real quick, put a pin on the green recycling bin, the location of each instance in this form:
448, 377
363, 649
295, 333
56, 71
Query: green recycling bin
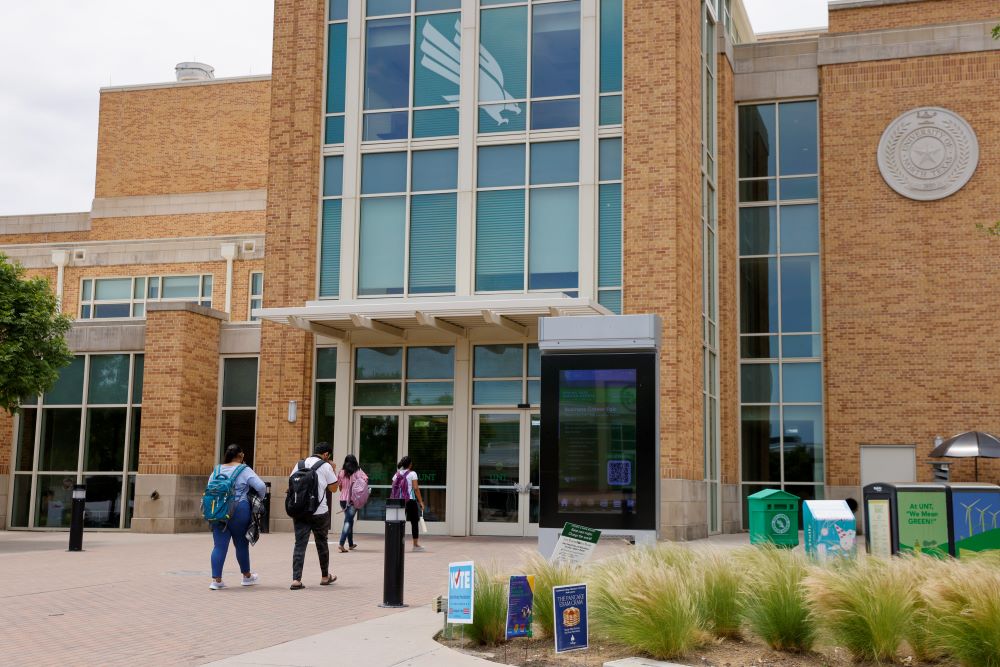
774, 518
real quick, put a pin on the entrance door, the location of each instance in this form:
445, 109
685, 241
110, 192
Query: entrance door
505, 473
381, 440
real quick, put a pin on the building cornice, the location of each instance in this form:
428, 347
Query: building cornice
255, 78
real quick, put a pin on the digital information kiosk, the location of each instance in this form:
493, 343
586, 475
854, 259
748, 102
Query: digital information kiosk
600, 453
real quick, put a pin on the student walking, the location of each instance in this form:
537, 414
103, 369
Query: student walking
309, 485
346, 479
406, 486
243, 481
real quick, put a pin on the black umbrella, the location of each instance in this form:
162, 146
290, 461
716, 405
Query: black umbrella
970, 443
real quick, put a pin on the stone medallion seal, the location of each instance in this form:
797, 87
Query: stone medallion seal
928, 153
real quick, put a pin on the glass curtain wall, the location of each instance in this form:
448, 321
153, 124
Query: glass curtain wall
127, 297
238, 407
85, 429
336, 72
710, 270
781, 376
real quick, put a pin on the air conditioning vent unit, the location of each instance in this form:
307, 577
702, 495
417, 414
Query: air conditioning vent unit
79, 255
249, 248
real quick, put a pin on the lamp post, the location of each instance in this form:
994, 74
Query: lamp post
76, 522
395, 530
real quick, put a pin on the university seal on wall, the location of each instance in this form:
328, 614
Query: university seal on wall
928, 153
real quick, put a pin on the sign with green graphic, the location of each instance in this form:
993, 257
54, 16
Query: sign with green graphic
923, 522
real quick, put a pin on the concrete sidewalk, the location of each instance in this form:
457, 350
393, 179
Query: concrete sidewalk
403, 639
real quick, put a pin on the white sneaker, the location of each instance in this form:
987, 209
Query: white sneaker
250, 581
419, 549
217, 585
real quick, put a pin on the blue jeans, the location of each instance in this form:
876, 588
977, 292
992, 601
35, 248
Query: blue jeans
235, 530
347, 533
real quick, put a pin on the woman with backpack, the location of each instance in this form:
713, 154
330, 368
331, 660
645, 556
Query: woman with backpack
353, 483
405, 486
242, 480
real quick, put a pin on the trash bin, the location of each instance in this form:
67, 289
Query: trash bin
774, 517
881, 537
974, 510
830, 529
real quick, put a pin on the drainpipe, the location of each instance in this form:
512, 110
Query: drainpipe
60, 258
229, 254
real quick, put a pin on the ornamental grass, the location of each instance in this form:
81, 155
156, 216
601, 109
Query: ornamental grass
776, 608
965, 612
489, 616
722, 597
866, 606
547, 576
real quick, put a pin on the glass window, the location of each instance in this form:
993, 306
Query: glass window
757, 141
338, 10
611, 47
553, 259
329, 276
555, 49
382, 246
239, 382
435, 170
555, 162
800, 304
802, 383
803, 443
430, 363
799, 142
139, 372
799, 188
333, 176
108, 379
552, 114
503, 68
759, 347
381, 7
383, 172
181, 287
611, 159
430, 393
437, 60
801, 346
387, 64
105, 440
256, 293
759, 295
432, 243
501, 166
60, 439
25, 457
611, 299
326, 363
379, 363
498, 361
761, 433
325, 410
110, 289
610, 110
759, 383
68, 389
758, 230
336, 80
609, 270
500, 240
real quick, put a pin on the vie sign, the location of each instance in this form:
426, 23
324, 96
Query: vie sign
461, 592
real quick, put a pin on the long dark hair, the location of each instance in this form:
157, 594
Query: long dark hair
232, 451
350, 465
404, 463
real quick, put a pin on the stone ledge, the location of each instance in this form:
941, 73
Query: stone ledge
231, 201
843, 48
184, 306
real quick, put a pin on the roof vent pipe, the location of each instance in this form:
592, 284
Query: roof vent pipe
194, 72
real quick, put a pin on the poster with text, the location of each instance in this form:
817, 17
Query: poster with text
569, 609
879, 528
461, 592
575, 545
923, 522
520, 605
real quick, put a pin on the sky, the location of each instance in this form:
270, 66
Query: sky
57, 54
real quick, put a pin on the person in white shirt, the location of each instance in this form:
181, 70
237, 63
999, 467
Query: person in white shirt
414, 500
319, 523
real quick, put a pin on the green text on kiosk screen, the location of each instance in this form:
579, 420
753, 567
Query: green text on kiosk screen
597, 449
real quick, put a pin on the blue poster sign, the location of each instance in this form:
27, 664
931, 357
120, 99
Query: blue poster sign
461, 592
569, 606
520, 605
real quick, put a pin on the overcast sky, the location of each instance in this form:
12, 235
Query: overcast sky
56, 54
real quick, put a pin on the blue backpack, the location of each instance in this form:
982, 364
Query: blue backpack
217, 503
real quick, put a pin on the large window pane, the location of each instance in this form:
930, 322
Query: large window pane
21, 502
555, 162
500, 241
435, 170
803, 443
25, 458
385, 126
759, 295
60, 441
383, 233
136, 426
378, 452
759, 383
336, 73
435, 123
105, 440
54, 500
501, 166
113, 289
799, 142
338, 10
437, 60
552, 114
761, 444
758, 230
497, 392
609, 267
104, 501
611, 46
555, 49
379, 363
378, 393
108, 379
427, 445
326, 410
383, 172
800, 309
802, 383
498, 361
430, 393
430, 363
503, 63
326, 363
238, 428
333, 176
758, 145
139, 373
800, 228
610, 160
382, 7
68, 389
329, 253
239, 383
387, 64
553, 257
181, 287
432, 243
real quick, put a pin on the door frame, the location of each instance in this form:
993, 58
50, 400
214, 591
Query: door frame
522, 527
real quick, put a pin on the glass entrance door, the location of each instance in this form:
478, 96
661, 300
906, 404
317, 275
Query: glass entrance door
505, 471
381, 439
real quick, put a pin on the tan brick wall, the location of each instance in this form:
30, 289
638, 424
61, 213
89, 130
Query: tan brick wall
200, 138
6, 441
179, 394
662, 216
909, 14
728, 278
241, 288
910, 288
292, 218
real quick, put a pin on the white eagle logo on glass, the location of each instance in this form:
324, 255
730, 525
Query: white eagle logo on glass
443, 57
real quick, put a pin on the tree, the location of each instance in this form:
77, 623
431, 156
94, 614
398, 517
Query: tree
32, 336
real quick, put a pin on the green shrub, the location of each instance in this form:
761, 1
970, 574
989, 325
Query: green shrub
648, 601
546, 577
722, 597
920, 570
489, 616
866, 605
775, 608
965, 613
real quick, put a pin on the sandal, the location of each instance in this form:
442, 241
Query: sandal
295, 587
342, 549
329, 580
353, 547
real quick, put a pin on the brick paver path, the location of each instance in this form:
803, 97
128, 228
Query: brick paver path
132, 599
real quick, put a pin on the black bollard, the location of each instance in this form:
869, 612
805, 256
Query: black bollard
395, 531
265, 525
76, 522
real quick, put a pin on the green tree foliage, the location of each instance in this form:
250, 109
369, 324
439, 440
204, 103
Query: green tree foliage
32, 330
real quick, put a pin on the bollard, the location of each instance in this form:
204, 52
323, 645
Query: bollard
395, 530
76, 522
265, 525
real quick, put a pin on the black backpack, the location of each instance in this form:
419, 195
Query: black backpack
303, 496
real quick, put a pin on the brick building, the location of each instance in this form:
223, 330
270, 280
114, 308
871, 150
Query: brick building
359, 247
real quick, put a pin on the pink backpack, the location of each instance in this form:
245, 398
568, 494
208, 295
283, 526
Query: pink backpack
359, 490
399, 489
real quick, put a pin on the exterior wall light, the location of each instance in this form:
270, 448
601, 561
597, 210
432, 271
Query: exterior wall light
293, 411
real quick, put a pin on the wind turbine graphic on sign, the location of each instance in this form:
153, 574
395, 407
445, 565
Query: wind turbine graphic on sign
968, 514
982, 517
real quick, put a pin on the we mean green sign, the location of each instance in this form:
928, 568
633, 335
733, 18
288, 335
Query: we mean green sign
923, 522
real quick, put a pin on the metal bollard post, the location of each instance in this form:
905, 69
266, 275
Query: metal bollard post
395, 530
265, 526
76, 522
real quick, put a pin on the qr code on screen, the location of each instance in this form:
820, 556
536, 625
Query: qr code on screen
619, 473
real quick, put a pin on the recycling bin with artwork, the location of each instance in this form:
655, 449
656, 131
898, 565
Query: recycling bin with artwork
829, 529
974, 510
